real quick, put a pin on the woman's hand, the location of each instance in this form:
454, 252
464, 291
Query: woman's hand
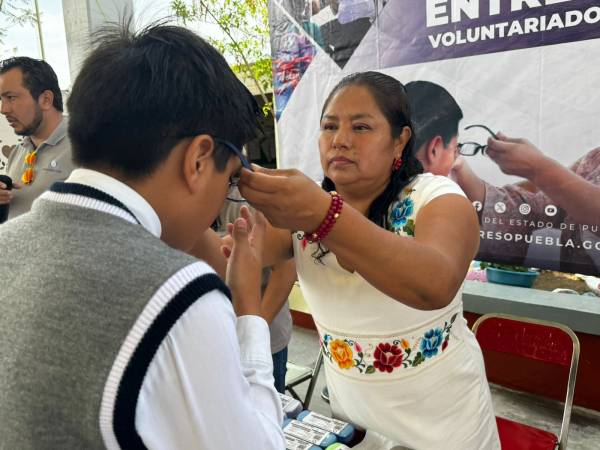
244, 266
288, 198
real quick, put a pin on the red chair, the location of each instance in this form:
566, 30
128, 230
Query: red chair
549, 342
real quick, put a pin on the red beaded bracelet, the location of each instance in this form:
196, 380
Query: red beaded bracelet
335, 208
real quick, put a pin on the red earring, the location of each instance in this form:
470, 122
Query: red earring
396, 165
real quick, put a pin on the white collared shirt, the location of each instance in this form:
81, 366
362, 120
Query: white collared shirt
126, 195
210, 384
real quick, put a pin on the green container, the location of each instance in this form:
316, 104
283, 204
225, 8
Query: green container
501, 276
337, 446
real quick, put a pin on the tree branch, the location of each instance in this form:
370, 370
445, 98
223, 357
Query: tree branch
239, 50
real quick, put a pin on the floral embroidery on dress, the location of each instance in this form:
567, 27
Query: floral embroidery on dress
431, 342
401, 211
386, 357
342, 353
409, 228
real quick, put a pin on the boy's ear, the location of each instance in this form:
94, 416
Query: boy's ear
433, 148
198, 160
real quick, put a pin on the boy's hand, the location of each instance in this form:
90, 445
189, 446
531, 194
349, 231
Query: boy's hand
244, 267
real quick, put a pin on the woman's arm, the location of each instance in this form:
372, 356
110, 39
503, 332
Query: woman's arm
424, 272
283, 276
569, 191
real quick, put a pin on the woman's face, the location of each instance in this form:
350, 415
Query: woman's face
355, 143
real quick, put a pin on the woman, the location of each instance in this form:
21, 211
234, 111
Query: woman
382, 277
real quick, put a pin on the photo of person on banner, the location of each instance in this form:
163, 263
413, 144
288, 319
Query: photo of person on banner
554, 198
344, 32
381, 257
435, 116
336, 26
292, 50
549, 221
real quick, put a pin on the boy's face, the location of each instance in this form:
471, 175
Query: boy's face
194, 205
226, 183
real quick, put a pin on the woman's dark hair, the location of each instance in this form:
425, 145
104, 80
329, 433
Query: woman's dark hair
138, 94
391, 98
38, 77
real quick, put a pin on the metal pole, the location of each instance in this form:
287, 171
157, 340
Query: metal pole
38, 22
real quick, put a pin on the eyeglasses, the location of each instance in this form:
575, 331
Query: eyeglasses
245, 163
472, 148
30, 157
234, 194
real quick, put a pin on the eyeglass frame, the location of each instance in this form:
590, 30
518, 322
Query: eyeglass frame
245, 164
479, 147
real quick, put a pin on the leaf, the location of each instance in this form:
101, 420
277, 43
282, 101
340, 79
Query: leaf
510, 267
409, 228
370, 370
245, 37
418, 359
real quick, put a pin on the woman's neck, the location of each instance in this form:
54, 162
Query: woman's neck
360, 204
360, 199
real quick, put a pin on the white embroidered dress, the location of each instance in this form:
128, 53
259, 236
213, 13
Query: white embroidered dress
415, 376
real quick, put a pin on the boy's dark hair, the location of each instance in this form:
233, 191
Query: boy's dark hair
38, 77
434, 112
138, 94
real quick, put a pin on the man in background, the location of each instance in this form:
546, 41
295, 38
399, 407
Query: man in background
32, 103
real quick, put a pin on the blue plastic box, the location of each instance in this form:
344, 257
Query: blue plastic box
501, 276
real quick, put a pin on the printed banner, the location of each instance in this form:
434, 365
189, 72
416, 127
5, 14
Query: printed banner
433, 30
527, 68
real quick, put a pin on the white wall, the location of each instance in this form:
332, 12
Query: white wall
82, 18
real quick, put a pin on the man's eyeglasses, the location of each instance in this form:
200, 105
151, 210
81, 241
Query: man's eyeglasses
234, 194
472, 148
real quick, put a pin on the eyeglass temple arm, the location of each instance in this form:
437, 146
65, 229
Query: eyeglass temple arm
245, 163
484, 127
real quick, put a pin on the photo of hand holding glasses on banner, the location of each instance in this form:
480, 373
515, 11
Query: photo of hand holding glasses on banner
566, 199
